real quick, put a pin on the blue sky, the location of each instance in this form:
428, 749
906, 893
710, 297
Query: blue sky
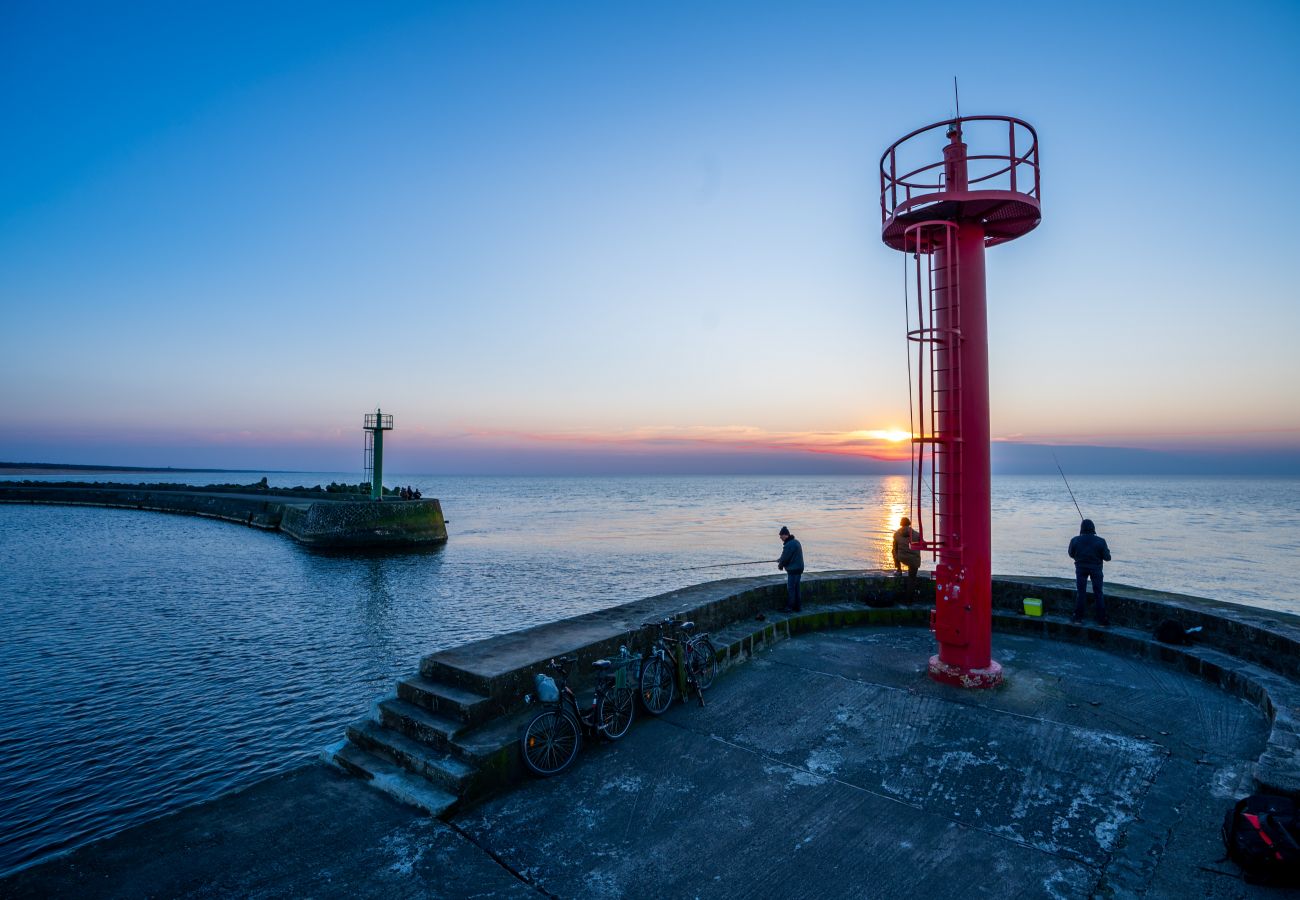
618, 233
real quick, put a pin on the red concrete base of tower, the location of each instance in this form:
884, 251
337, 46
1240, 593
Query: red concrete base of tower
960, 676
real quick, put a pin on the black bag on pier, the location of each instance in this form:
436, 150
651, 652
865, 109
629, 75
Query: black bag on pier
1261, 834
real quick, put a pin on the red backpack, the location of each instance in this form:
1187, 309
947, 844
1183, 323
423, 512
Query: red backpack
1262, 834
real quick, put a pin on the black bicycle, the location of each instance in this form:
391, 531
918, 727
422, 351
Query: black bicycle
551, 740
698, 660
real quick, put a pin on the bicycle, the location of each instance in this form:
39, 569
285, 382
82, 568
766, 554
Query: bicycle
552, 738
698, 660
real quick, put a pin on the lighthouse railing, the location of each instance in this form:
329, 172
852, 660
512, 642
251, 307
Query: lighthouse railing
1004, 169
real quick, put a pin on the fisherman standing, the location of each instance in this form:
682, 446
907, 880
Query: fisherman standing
904, 555
791, 562
1089, 551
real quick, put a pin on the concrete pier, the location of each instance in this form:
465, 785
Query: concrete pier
825, 764
448, 733
309, 517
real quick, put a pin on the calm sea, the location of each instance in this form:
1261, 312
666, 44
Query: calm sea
152, 661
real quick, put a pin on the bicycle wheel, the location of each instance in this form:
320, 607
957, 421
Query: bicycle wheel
704, 660
615, 711
657, 685
551, 741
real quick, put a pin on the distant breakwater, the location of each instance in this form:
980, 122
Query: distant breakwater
320, 518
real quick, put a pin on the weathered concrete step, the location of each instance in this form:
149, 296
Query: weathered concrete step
443, 770
390, 778
445, 699
417, 723
494, 749
490, 739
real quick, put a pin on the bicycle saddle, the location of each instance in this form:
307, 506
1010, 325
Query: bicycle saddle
687, 626
601, 664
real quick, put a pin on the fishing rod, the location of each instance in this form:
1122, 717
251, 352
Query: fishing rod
755, 562
1067, 483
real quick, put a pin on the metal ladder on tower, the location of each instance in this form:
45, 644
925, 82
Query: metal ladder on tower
369, 457
937, 399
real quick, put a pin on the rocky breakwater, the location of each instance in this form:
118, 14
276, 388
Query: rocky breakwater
320, 518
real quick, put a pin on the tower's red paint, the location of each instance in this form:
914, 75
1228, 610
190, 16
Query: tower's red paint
942, 213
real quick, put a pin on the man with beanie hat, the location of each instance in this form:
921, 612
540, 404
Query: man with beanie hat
1089, 551
791, 562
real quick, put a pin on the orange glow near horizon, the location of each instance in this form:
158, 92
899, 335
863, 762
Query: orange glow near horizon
883, 444
893, 435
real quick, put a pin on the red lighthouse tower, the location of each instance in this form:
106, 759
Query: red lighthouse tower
942, 204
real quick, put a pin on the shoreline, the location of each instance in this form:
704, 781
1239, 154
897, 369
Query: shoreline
30, 468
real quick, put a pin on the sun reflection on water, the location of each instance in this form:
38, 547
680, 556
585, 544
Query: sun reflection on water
896, 499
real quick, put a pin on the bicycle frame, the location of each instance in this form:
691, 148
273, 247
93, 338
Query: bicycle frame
568, 700
672, 650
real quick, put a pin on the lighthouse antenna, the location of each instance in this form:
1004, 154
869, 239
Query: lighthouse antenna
955, 98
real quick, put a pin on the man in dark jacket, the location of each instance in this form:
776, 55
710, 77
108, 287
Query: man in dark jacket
1088, 551
792, 562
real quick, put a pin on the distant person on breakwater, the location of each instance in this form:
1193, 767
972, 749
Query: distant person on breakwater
791, 562
904, 555
1089, 551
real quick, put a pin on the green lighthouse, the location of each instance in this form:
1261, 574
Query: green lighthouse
375, 426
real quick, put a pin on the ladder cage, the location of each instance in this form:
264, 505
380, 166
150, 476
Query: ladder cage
934, 387
369, 456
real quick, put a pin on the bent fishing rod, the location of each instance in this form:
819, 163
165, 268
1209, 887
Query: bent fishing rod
1067, 484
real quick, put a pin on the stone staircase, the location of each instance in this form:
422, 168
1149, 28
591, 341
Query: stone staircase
430, 744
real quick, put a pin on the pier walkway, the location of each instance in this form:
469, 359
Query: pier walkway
313, 518
824, 765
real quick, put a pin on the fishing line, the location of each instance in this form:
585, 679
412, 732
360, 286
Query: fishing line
753, 562
1067, 483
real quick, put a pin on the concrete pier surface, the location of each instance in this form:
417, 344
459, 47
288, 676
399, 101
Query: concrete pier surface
824, 765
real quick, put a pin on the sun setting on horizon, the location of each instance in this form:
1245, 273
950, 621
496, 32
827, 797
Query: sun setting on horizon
893, 435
